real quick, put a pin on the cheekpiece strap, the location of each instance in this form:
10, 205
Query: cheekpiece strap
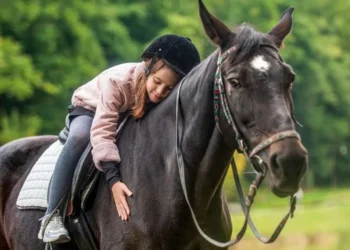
219, 93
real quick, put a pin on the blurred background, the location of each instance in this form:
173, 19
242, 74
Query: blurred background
49, 48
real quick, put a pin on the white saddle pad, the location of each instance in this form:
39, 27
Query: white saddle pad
33, 194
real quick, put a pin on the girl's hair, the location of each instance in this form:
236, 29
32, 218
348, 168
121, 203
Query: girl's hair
140, 100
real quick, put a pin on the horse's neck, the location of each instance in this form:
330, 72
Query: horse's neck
205, 153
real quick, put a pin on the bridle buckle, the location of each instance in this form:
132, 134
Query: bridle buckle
241, 145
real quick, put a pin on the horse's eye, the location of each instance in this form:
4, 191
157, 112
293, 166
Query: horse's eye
292, 78
235, 83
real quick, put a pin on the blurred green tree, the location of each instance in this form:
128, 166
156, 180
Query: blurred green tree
48, 48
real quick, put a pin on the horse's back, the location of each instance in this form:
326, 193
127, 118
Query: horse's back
19, 155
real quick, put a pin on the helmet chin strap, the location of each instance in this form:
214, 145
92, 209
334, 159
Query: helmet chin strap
149, 68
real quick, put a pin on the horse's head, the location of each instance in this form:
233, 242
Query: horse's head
258, 85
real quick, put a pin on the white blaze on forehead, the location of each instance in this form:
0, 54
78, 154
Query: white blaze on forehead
259, 63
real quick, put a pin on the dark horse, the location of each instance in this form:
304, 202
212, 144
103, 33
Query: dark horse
258, 87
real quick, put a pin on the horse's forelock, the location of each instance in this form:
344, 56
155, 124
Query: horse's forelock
247, 41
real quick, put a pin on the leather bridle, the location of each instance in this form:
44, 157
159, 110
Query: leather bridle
220, 100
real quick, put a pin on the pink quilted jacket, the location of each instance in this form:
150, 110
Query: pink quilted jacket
108, 94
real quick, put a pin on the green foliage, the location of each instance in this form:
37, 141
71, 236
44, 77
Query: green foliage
321, 103
49, 48
18, 76
17, 126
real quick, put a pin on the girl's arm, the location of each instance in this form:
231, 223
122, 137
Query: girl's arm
114, 98
119, 189
111, 172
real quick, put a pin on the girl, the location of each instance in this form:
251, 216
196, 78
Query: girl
97, 105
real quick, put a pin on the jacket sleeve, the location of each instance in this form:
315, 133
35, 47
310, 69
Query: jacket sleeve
113, 99
111, 172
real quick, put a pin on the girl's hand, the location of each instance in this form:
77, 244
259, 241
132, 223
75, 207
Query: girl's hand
120, 190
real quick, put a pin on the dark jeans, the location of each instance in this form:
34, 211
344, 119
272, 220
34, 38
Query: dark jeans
61, 182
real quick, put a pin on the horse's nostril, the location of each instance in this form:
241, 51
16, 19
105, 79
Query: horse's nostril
276, 169
293, 164
274, 161
301, 170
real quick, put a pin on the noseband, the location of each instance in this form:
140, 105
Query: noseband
221, 100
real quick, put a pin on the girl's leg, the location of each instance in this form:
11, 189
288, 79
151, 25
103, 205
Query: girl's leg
78, 139
60, 185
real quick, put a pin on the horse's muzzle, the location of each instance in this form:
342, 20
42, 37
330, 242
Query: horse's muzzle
288, 160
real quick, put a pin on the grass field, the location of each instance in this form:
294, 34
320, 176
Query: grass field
321, 222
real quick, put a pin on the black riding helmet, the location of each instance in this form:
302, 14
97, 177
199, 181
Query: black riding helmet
177, 51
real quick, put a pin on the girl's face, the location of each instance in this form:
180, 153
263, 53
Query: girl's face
160, 84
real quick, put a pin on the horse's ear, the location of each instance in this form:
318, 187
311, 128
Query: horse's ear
218, 32
282, 29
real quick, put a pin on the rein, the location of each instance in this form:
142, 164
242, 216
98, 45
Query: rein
246, 203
